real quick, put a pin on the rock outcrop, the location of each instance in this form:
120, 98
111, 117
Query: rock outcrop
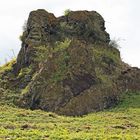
67, 65
44, 28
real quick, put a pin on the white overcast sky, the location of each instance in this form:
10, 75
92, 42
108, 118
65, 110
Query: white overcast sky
122, 21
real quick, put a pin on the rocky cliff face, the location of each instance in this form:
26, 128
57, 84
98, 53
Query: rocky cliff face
44, 28
67, 65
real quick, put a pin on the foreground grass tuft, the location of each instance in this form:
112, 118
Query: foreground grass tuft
120, 123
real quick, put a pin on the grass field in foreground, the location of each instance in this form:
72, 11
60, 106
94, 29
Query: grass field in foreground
120, 123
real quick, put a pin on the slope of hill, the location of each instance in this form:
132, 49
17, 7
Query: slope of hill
119, 123
69, 66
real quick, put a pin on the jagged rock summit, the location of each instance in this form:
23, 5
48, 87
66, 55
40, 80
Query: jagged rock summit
44, 28
68, 65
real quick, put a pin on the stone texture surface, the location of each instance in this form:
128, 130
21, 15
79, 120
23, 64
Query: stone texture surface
70, 67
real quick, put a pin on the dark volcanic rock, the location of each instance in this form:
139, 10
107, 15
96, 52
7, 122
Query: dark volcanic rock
43, 28
63, 77
84, 25
69, 67
37, 32
129, 79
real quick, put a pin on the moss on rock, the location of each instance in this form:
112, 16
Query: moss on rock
67, 65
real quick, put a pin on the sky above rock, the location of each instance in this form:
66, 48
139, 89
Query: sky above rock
122, 22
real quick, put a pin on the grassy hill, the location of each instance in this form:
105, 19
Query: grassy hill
120, 123
68, 65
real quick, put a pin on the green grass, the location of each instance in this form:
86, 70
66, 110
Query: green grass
120, 123
7, 66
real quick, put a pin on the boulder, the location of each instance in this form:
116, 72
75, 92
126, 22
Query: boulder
66, 65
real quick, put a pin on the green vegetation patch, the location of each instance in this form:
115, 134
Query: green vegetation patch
60, 59
8, 66
24, 71
120, 123
109, 52
108, 62
62, 67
